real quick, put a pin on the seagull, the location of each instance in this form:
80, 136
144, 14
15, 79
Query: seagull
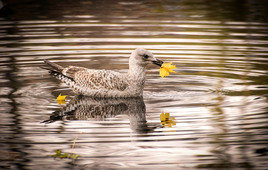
107, 83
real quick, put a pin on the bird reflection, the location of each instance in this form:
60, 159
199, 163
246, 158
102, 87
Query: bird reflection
87, 108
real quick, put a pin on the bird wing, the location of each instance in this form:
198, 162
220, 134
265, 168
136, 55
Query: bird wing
72, 70
96, 79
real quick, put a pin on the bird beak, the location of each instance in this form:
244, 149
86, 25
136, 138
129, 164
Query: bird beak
158, 62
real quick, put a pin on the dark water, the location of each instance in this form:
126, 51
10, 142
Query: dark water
217, 103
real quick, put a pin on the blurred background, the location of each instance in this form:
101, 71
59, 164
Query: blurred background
214, 108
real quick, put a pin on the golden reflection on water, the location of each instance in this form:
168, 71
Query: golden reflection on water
166, 120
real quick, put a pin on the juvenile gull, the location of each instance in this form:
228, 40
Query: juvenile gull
107, 83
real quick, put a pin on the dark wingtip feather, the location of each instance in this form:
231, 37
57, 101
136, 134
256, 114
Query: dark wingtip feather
59, 75
56, 71
55, 66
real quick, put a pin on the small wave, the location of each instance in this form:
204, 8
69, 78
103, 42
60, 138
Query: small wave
173, 94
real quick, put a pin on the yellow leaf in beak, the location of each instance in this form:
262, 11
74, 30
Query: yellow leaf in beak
166, 68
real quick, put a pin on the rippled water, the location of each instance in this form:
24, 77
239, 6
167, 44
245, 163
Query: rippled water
217, 103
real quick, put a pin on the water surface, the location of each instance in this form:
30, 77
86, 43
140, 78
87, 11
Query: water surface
217, 103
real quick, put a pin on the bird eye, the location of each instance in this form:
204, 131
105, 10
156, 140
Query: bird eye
146, 56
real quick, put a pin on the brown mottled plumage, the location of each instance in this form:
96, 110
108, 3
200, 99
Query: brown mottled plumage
107, 83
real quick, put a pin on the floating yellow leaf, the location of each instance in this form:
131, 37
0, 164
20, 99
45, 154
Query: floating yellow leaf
60, 97
60, 102
166, 68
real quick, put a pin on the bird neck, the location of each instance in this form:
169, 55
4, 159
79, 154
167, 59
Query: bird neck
136, 72
136, 77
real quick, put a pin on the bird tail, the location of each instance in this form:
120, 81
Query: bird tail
56, 71
54, 66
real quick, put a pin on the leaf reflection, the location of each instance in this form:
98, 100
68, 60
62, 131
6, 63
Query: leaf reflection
166, 120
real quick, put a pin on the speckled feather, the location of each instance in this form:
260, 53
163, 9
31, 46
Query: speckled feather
91, 82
